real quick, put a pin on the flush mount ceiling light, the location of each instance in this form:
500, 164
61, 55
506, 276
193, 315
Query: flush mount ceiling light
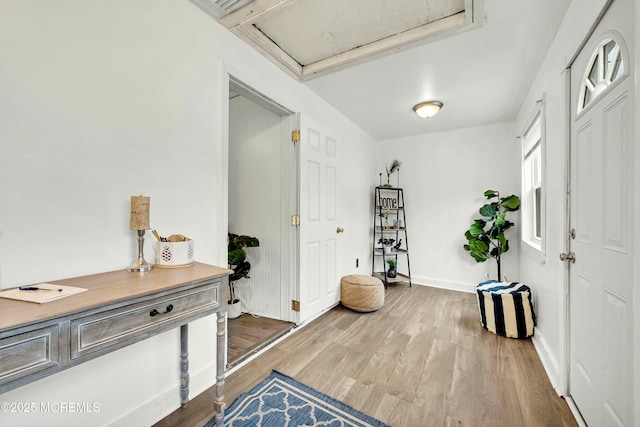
428, 109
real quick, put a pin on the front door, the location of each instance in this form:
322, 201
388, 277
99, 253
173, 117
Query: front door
600, 279
319, 286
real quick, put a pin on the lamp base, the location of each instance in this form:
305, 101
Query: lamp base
140, 265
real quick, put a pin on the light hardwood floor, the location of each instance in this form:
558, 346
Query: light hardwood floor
422, 360
247, 334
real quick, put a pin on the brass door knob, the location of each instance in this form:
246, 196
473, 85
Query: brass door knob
339, 230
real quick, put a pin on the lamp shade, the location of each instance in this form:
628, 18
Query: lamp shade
427, 109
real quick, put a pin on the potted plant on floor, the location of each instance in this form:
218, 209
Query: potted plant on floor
237, 260
486, 236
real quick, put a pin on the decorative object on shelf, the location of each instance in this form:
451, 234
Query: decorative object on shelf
395, 166
397, 245
385, 215
386, 244
237, 259
140, 222
174, 251
391, 272
486, 236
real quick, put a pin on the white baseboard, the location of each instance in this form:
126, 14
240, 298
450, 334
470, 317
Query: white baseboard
444, 284
549, 362
167, 401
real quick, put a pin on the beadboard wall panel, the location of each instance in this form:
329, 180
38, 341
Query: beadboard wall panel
255, 164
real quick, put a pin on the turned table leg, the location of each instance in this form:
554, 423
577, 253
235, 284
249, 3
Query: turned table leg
220, 369
184, 364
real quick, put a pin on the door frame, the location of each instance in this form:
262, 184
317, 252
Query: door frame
565, 327
289, 235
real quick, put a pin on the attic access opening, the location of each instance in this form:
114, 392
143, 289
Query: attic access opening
309, 38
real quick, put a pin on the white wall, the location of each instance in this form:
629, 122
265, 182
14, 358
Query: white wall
444, 176
106, 99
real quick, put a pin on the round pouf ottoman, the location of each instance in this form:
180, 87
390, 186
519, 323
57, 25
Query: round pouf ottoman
506, 309
361, 293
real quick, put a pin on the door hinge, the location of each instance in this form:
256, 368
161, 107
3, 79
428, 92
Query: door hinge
295, 305
295, 220
295, 136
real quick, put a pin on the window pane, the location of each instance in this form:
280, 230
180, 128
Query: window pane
608, 55
618, 67
593, 74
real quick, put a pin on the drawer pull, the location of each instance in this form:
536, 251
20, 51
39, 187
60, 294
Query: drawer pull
155, 312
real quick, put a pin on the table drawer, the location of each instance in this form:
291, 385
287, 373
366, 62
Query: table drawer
124, 325
29, 352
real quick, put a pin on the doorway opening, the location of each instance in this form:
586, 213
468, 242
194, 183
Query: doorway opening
262, 197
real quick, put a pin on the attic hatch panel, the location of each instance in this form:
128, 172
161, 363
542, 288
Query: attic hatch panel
310, 38
311, 31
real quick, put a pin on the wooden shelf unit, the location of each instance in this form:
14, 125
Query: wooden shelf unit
390, 222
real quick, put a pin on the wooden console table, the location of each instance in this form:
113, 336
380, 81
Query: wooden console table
118, 309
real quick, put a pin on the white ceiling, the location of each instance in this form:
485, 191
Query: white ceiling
481, 73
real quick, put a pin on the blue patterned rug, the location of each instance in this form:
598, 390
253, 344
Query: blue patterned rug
280, 400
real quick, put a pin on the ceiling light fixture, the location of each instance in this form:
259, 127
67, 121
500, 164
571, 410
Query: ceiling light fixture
428, 109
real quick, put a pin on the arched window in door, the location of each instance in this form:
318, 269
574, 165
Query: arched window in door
608, 64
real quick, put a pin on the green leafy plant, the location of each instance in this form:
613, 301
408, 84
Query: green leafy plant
486, 238
237, 260
384, 241
385, 215
391, 272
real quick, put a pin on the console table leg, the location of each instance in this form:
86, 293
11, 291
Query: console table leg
220, 368
184, 364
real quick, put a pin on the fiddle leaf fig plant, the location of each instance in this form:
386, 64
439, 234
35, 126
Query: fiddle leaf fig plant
486, 236
237, 260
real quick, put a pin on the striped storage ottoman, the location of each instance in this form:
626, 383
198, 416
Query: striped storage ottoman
506, 309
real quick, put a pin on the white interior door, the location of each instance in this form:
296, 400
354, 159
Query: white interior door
319, 284
600, 280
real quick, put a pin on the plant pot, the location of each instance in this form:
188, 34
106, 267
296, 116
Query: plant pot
234, 309
391, 272
386, 249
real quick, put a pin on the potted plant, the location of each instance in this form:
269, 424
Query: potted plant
391, 272
486, 236
386, 244
385, 215
237, 260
